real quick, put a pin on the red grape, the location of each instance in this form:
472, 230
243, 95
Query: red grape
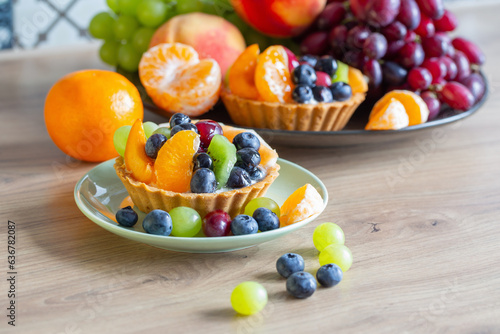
419, 78
432, 8
451, 68
373, 71
323, 79
208, 129
436, 67
448, 22
393, 48
217, 224
433, 104
315, 43
426, 27
456, 96
475, 83
380, 13
435, 46
293, 62
463, 65
375, 46
337, 37
393, 73
411, 55
471, 50
409, 14
358, 8
411, 36
395, 31
332, 15
356, 37
354, 58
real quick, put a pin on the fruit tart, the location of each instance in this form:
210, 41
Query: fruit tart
275, 90
204, 165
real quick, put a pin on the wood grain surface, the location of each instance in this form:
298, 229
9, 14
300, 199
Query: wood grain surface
421, 217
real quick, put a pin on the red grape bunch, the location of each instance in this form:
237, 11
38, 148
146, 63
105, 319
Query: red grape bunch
402, 44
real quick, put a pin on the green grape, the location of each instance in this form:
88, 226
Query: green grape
128, 7
128, 58
189, 6
141, 39
248, 298
152, 13
109, 52
101, 26
262, 202
186, 222
113, 5
326, 234
238, 22
337, 254
163, 131
342, 73
120, 139
212, 9
124, 27
149, 128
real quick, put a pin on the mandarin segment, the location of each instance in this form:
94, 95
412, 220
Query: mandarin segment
415, 107
391, 116
177, 81
272, 76
357, 81
174, 164
301, 204
136, 160
241, 76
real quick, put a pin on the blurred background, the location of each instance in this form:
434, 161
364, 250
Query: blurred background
33, 24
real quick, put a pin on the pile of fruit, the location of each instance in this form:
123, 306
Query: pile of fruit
404, 45
335, 259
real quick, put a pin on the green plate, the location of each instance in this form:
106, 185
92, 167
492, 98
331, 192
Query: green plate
99, 194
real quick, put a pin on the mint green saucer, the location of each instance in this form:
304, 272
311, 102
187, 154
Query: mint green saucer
99, 194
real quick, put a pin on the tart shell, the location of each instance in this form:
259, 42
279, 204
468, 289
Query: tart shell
298, 117
148, 198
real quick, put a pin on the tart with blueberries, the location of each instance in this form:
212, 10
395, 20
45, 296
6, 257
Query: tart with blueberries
204, 165
274, 90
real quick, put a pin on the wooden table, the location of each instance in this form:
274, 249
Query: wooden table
421, 218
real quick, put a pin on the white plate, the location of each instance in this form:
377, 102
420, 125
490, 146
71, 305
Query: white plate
100, 193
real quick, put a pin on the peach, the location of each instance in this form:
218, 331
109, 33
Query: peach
211, 36
280, 18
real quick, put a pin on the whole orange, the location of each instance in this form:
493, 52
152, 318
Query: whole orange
84, 109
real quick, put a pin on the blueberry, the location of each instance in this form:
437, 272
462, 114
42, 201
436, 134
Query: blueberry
126, 217
289, 263
257, 173
247, 158
157, 222
310, 59
327, 64
341, 91
183, 126
153, 145
178, 119
244, 224
202, 160
246, 140
301, 285
238, 178
302, 94
329, 275
304, 75
266, 219
322, 94
203, 181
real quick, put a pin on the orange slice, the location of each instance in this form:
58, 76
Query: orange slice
242, 74
391, 116
174, 164
272, 76
177, 81
357, 80
268, 156
302, 204
136, 160
415, 107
